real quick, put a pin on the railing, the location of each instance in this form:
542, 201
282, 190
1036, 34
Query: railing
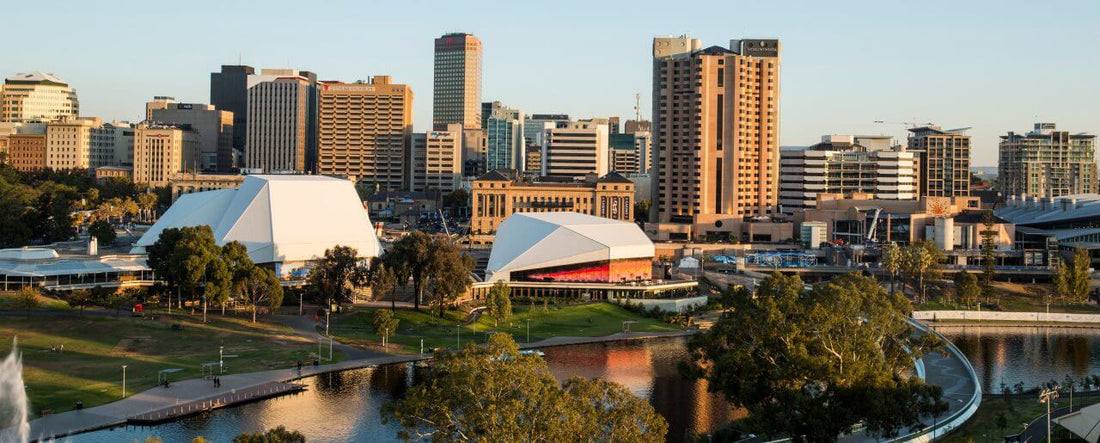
942, 428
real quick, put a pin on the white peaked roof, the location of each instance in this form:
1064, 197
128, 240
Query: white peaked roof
279, 218
539, 240
36, 76
27, 253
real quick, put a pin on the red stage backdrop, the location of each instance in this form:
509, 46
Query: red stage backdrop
594, 272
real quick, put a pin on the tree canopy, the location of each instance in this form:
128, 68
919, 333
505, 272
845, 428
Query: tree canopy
434, 263
493, 393
334, 277
809, 364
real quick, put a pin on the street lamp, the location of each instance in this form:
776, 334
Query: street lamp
528, 331
458, 337
1048, 396
221, 359
123, 381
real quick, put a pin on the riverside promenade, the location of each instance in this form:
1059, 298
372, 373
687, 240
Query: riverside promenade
196, 395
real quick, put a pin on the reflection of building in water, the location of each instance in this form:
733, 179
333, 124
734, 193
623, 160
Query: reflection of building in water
629, 366
1026, 354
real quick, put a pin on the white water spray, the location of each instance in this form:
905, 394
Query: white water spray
13, 399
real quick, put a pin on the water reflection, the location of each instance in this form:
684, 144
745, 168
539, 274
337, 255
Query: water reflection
1031, 355
345, 406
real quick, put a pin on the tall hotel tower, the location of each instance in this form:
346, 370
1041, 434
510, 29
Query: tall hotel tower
457, 96
715, 134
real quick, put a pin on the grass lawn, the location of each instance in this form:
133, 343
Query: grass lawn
1015, 297
96, 346
982, 426
587, 320
8, 302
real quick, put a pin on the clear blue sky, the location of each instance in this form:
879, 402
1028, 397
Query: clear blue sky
992, 65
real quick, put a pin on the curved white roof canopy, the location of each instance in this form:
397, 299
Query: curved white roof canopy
540, 240
279, 218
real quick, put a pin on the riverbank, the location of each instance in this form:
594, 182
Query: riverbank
199, 395
1023, 317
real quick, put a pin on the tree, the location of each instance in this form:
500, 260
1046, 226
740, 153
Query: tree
494, 393
921, 261
641, 210
260, 286
891, 261
967, 289
809, 364
237, 262
410, 257
103, 232
27, 299
147, 201
1059, 281
217, 283
81, 298
989, 260
119, 300
334, 277
498, 302
382, 282
1079, 275
275, 435
180, 257
385, 324
450, 275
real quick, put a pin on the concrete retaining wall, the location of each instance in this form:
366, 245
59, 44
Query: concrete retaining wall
665, 304
1006, 316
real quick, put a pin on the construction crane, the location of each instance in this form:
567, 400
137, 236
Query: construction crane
909, 125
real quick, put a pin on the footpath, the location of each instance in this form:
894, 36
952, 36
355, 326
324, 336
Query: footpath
197, 395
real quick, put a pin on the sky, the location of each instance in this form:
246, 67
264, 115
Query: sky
995, 66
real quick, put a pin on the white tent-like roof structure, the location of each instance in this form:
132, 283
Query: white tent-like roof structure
279, 218
540, 240
1085, 423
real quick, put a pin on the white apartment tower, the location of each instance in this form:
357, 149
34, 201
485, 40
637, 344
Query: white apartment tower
37, 97
575, 149
846, 164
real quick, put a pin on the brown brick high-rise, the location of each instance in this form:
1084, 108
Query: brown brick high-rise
715, 135
363, 131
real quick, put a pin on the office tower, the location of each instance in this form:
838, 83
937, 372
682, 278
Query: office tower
213, 127
715, 134
281, 121
632, 126
575, 149
846, 165
612, 125
229, 92
86, 143
475, 148
944, 159
159, 102
37, 97
457, 81
436, 160
1047, 163
364, 131
535, 126
504, 137
162, 151
629, 152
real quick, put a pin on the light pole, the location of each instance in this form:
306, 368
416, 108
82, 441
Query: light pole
326, 319
528, 331
221, 359
299, 303
1048, 396
123, 381
458, 336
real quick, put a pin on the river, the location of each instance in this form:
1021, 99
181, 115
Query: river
345, 406
1026, 354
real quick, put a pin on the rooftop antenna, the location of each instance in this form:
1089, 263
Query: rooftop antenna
638, 107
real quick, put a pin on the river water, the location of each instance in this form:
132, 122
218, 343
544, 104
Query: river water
1031, 355
345, 406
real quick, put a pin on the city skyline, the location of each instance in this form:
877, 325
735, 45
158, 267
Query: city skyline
845, 66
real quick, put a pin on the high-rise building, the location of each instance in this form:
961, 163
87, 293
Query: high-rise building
229, 92
944, 159
213, 127
282, 121
37, 97
162, 151
436, 160
632, 126
535, 126
846, 165
1047, 163
612, 125
475, 147
576, 149
504, 137
457, 89
364, 131
715, 134
629, 152
69, 143
159, 102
